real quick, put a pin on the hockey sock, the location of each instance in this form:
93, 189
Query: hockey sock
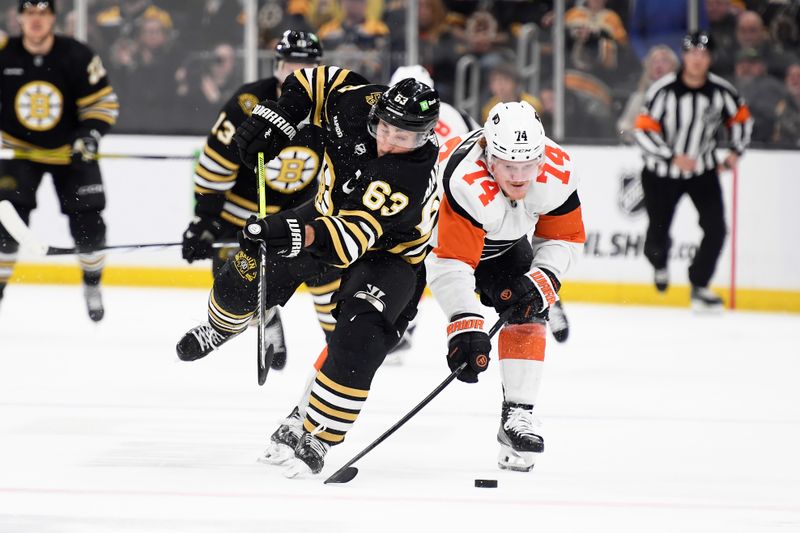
92, 265
224, 321
332, 409
521, 353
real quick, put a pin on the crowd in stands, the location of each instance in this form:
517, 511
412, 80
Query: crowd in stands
173, 63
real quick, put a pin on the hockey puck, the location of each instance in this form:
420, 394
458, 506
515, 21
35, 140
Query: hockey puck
486, 483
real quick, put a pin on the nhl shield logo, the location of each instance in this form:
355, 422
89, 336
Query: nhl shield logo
245, 265
630, 198
361, 149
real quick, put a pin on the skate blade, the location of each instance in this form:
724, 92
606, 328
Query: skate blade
704, 309
277, 454
297, 469
509, 459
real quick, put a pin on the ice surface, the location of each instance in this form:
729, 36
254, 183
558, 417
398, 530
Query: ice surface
654, 419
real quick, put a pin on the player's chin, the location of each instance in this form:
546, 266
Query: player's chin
517, 191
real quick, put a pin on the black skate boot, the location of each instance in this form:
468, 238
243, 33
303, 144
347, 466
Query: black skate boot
284, 440
201, 341
309, 455
519, 443
705, 301
559, 325
274, 336
94, 302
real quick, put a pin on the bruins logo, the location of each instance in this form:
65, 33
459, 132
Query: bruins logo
245, 265
247, 102
372, 98
293, 169
8, 183
39, 105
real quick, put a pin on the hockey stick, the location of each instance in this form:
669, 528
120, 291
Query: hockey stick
346, 473
264, 354
9, 153
21, 233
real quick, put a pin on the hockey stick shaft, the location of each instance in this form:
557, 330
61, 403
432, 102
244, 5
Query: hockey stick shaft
8, 153
21, 233
348, 472
264, 355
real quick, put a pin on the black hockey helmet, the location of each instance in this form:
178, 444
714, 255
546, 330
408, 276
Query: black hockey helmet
698, 39
42, 4
409, 105
299, 47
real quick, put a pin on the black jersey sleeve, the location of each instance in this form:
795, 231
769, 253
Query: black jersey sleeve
218, 167
98, 106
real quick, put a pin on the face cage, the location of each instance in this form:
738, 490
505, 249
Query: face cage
372, 127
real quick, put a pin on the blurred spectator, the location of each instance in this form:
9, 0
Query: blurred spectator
656, 22
588, 106
504, 86
145, 68
356, 42
787, 119
751, 33
437, 46
116, 21
548, 99
722, 27
596, 39
761, 92
205, 84
277, 16
660, 61
482, 40
222, 20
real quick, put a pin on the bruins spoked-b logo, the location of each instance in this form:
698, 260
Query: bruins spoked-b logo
245, 265
293, 169
39, 105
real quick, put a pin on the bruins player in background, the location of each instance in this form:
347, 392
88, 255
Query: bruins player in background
226, 194
371, 219
55, 105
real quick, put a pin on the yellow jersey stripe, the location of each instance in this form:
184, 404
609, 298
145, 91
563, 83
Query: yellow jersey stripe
219, 159
337, 242
323, 435
87, 100
366, 216
324, 289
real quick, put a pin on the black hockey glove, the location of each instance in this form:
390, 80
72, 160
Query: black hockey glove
268, 129
199, 238
532, 293
284, 233
466, 341
85, 146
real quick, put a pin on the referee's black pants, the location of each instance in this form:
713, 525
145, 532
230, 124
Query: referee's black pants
661, 196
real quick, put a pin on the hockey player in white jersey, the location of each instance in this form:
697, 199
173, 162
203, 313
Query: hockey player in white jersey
452, 122
500, 183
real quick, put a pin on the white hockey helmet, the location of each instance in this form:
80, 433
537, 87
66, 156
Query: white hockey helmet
418, 72
514, 132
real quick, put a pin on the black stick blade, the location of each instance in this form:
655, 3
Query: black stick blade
343, 475
264, 364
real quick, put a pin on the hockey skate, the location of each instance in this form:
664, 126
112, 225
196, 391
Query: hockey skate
201, 341
309, 455
705, 301
94, 302
661, 279
519, 443
559, 325
284, 440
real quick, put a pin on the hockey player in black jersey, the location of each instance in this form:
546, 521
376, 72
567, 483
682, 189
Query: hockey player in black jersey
226, 194
373, 215
55, 105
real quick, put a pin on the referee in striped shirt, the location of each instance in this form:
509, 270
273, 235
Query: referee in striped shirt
677, 133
